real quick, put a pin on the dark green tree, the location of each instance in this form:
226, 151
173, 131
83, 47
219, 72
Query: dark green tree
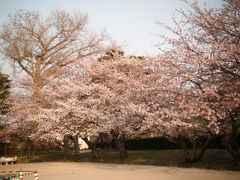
111, 54
4, 91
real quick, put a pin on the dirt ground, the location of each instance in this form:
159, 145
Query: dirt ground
96, 171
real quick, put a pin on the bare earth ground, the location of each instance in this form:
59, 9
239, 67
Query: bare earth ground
97, 171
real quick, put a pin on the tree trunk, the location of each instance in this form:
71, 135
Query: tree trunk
76, 146
231, 141
91, 145
230, 148
120, 139
29, 150
66, 147
187, 155
122, 150
106, 140
198, 152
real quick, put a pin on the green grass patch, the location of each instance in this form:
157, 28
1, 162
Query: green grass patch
218, 159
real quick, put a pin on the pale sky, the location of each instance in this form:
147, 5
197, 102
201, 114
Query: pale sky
129, 22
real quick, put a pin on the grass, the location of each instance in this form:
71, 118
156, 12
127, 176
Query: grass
213, 159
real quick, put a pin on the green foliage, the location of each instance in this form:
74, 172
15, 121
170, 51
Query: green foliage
4, 87
4, 91
110, 54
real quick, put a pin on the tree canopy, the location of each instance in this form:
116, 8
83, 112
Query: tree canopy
40, 45
192, 89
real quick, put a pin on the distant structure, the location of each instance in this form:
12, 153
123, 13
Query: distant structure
82, 144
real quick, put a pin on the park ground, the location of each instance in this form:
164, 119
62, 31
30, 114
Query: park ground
214, 159
99, 171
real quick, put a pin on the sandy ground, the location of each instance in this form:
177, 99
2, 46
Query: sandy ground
91, 171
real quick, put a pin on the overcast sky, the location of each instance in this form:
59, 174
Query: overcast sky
129, 22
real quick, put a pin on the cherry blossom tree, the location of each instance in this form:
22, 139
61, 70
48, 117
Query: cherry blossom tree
158, 100
40, 46
206, 42
168, 105
122, 97
86, 99
191, 90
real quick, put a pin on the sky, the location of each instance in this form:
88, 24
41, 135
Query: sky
131, 23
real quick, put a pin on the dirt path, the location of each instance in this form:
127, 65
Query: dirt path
91, 171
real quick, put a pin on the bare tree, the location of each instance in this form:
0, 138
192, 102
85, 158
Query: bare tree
40, 46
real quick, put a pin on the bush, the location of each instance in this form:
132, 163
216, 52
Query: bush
159, 143
150, 143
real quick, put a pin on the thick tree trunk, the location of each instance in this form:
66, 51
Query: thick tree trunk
37, 78
120, 142
91, 145
187, 155
76, 146
200, 152
67, 150
197, 153
106, 140
230, 148
231, 141
122, 150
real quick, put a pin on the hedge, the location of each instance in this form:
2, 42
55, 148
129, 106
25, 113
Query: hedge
159, 143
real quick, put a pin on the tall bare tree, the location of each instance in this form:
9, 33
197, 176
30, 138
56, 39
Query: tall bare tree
41, 45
